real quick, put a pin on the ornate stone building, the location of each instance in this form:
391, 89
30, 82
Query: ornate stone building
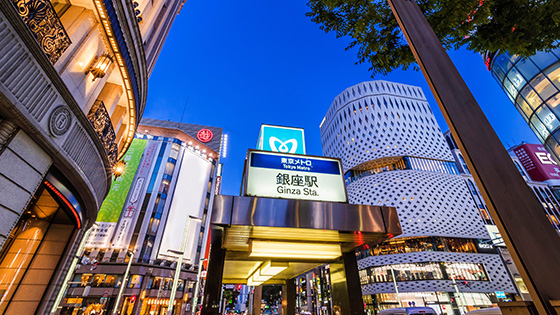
73, 84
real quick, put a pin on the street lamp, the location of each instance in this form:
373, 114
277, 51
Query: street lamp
181, 253
79, 252
197, 287
123, 284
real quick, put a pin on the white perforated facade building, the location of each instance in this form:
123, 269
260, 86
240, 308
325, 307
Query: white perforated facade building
394, 154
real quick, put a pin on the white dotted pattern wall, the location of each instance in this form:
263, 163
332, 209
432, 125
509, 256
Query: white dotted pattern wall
378, 119
427, 203
499, 278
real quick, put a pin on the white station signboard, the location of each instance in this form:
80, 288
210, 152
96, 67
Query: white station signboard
292, 176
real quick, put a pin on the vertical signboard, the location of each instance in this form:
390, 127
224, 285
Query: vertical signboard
189, 199
111, 208
281, 139
133, 203
537, 162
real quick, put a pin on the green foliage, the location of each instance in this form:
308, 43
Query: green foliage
520, 27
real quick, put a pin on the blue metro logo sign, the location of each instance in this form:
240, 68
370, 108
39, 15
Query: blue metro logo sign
281, 139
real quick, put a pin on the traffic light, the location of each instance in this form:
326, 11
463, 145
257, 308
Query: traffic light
239, 287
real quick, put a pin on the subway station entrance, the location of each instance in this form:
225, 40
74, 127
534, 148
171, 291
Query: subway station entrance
256, 240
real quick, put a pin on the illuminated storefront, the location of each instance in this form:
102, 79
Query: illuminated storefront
35, 248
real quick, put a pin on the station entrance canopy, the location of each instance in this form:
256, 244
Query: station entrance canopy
297, 235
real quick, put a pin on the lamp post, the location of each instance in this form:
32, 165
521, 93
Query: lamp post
197, 286
181, 253
533, 243
396, 287
115, 309
71, 270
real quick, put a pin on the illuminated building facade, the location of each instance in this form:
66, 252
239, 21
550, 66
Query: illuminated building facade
394, 154
73, 86
170, 175
533, 85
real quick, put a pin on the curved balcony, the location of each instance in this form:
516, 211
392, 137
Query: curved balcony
101, 121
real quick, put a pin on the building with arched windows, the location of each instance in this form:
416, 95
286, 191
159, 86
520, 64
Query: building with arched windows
394, 154
73, 85
533, 85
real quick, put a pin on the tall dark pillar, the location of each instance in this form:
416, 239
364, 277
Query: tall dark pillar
257, 300
529, 236
289, 297
213, 287
346, 288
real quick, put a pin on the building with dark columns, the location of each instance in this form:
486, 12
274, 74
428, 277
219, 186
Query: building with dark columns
73, 84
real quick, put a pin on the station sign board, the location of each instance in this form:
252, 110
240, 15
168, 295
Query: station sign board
293, 176
281, 139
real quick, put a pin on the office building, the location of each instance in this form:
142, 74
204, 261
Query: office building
73, 84
394, 154
168, 186
533, 85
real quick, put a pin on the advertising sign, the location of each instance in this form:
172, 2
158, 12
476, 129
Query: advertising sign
137, 193
290, 176
537, 162
189, 199
110, 209
281, 139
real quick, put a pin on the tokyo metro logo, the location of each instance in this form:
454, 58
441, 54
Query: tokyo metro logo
288, 146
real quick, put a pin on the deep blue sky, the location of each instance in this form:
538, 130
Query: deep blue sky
243, 63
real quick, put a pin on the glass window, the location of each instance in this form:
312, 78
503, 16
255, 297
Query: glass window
531, 97
539, 128
543, 86
511, 92
544, 59
524, 107
169, 167
553, 73
110, 281
135, 282
517, 80
527, 68
465, 271
174, 153
97, 280
548, 118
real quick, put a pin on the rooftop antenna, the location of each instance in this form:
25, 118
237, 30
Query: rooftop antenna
184, 109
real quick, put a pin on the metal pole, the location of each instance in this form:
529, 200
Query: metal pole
458, 295
121, 290
533, 243
70, 272
396, 287
197, 286
179, 264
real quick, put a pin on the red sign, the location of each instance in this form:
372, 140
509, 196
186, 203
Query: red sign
537, 162
204, 135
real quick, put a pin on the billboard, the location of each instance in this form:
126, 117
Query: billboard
281, 139
537, 162
189, 198
290, 176
111, 208
131, 209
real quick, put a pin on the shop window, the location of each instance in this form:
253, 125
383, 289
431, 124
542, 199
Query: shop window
97, 280
465, 271
174, 153
110, 281
30, 249
135, 282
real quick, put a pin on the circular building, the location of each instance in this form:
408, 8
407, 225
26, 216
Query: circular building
533, 85
394, 154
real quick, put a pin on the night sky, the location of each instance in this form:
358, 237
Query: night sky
238, 64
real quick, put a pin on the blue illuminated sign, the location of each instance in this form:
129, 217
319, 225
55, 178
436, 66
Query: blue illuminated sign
281, 139
290, 163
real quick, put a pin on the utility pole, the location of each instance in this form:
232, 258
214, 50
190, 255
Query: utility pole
529, 236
